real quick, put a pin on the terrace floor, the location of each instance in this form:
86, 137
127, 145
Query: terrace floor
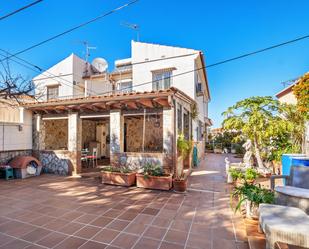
57, 212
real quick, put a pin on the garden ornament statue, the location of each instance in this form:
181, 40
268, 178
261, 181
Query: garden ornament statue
248, 155
246, 163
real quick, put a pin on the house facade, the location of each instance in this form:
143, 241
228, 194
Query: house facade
15, 131
287, 96
132, 115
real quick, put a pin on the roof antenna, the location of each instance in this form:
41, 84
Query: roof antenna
87, 55
88, 48
134, 27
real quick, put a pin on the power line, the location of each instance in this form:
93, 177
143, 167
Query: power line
259, 51
39, 70
72, 29
202, 68
20, 9
220, 62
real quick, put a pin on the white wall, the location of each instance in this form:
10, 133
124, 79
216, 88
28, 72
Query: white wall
143, 72
70, 69
288, 98
13, 139
98, 87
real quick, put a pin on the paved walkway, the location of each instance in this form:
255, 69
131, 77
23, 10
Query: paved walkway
56, 212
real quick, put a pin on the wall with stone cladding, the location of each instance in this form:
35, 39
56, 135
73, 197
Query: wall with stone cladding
136, 161
6, 156
153, 134
57, 162
56, 134
88, 132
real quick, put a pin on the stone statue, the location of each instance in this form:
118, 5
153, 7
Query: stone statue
248, 155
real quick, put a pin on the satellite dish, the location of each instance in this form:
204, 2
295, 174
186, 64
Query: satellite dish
100, 64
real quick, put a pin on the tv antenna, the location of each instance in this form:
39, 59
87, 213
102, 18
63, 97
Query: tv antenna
134, 27
87, 48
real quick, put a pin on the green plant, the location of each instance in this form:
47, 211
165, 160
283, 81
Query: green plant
301, 92
182, 145
152, 170
117, 169
255, 194
194, 111
258, 119
251, 174
236, 174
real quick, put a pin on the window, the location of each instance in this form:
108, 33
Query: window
52, 92
179, 118
198, 87
186, 124
125, 86
161, 80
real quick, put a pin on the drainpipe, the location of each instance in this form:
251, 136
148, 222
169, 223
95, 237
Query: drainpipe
144, 128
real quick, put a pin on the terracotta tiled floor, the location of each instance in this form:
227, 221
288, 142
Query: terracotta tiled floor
57, 212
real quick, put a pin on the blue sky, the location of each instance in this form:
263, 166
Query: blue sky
221, 29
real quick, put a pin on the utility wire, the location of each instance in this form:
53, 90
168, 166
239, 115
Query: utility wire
72, 29
20, 9
220, 62
201, 68
39, 70
259, 51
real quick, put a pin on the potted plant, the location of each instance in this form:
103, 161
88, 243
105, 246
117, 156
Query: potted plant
250, 175
236, 175
250, 196
122, 176
180, 180
153, 177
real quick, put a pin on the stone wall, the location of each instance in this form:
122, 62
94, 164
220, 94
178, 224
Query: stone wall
136, 161
88, 132
6, 156
56, 134
57, 162
153, 133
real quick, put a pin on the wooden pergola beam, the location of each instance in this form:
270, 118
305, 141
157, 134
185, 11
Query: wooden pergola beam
114, 104
130, 104
100, 105
88, 107
162, 102
146, 103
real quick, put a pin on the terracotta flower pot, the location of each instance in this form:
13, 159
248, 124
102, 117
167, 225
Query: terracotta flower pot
154, 182
180, 185
118, 178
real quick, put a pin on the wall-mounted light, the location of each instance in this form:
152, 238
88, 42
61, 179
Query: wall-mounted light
20, 127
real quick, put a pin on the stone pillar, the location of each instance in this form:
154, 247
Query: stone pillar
38, 133
116, 133
74, 143
169, 144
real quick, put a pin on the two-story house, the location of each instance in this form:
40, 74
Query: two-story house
132, 115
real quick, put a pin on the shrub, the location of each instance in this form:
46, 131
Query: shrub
117, 169
152, 170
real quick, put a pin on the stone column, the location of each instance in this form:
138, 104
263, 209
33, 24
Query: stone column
38, 133
74, 143
169, 144
116, 134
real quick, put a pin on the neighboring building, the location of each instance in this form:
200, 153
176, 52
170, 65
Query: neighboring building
132, 115
287, 95
15, 131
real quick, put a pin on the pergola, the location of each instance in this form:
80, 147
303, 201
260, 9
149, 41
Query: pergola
115, 106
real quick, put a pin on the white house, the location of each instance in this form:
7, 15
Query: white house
140, 107
15, 131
